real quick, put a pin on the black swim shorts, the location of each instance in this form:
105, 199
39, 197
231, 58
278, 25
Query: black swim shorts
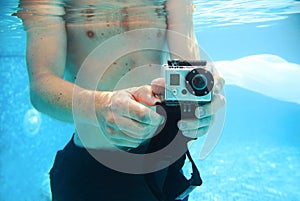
77, 176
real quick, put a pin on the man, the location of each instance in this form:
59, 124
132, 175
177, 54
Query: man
60, 35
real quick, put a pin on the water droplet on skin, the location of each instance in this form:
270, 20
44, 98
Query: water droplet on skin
32, 122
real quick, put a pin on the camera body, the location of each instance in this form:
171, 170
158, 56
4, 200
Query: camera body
188, 84
190, 81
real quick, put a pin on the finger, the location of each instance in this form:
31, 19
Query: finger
124, 143
203, 111
192, 124
118, 136
158, 86
133, 128
219, 83
218, 101
138, 112
196, 133
144, 94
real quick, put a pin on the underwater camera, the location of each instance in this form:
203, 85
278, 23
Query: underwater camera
188, 84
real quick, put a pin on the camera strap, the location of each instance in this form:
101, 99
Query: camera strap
194, 181
169, 184
175, 185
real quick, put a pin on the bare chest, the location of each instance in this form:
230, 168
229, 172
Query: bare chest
90, 25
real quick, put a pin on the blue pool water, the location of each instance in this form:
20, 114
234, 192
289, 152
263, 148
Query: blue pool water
258, 155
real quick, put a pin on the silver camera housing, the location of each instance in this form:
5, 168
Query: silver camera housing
187, 81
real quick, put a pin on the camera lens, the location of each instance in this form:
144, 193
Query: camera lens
199, 82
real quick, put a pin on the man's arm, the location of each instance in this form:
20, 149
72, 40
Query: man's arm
46, 58
181, 26
121, 117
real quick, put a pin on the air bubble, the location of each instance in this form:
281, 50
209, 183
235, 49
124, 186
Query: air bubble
32, 122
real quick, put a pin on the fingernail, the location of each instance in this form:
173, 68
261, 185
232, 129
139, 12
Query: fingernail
200, 113
183, 125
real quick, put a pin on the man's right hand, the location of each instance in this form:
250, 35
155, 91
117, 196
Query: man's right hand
124, 120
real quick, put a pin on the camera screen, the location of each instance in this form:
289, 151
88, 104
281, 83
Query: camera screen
174, 79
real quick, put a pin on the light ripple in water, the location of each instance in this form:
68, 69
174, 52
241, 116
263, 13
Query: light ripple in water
227, 13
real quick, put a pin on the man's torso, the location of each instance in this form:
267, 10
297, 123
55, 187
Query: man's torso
89, 24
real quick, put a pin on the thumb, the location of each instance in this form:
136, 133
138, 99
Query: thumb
158, 86
145, 95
